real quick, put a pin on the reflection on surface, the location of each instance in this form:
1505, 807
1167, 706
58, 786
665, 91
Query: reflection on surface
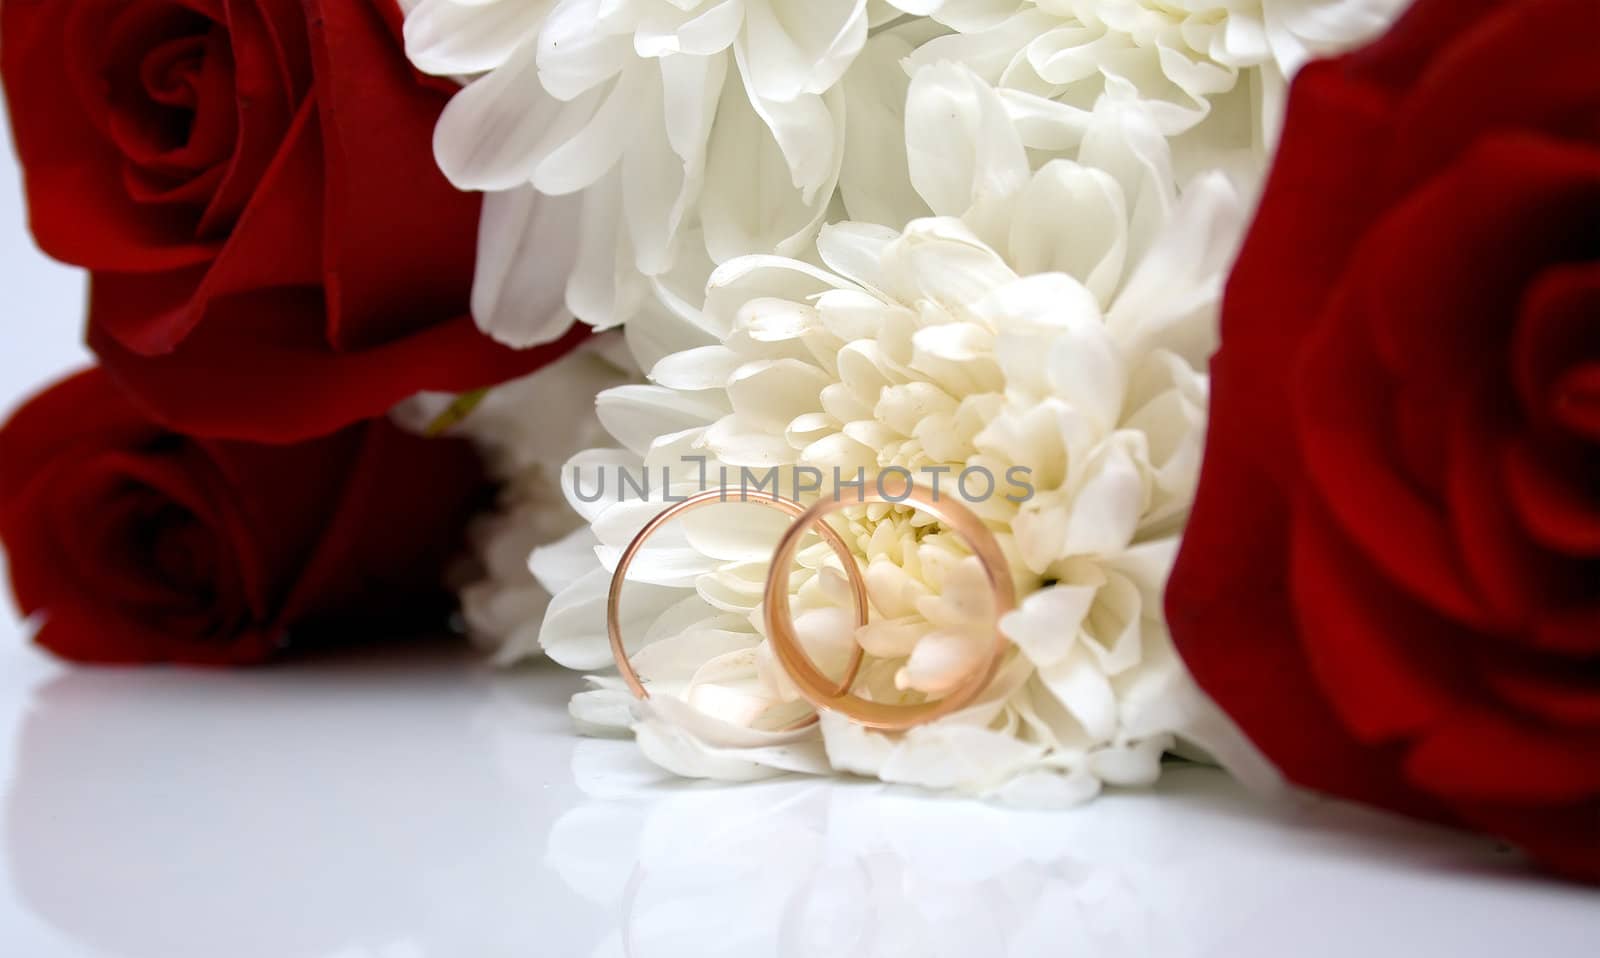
801, 868
350, 808
421, 808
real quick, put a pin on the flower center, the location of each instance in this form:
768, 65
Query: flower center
167, 78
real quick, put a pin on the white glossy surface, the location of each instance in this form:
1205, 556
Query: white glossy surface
412, 804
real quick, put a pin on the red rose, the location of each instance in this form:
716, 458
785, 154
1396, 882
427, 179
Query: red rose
135, 544
1392, 574
252, 182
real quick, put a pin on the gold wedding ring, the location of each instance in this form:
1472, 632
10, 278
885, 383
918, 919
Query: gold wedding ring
858, 585
816, 688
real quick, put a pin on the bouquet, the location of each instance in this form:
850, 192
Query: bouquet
1253, 342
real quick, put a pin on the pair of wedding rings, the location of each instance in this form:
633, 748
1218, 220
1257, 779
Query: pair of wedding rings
823, 693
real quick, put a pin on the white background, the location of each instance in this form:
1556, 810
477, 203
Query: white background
414, 805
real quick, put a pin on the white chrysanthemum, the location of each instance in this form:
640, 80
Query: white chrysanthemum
668, 136
639, 123
525, 430
1180, 54
1060, 326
